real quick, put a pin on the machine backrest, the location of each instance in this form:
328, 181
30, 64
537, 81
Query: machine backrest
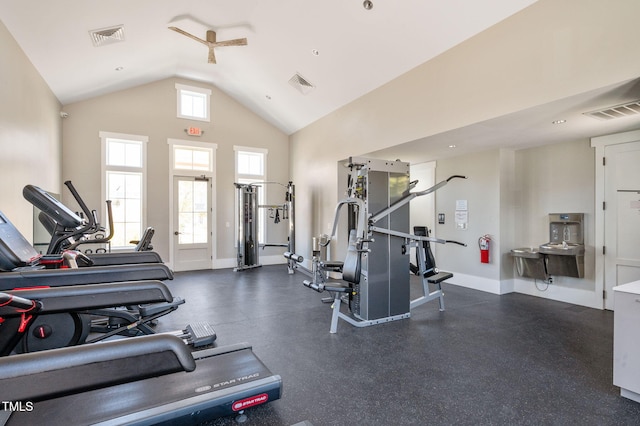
430, 260
353, 261
15, 250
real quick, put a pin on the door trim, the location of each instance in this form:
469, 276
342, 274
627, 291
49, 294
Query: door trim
600, 143
211, 175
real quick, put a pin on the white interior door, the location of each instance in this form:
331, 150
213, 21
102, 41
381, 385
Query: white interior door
192, 223
622, 217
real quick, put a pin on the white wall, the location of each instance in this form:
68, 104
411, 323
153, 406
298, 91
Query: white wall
150, 110
30, 133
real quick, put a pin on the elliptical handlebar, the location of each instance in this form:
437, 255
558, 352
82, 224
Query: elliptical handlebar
88, 213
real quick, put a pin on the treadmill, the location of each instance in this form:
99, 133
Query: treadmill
19, 261
141, 381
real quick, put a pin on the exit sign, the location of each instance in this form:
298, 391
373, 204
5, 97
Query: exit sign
194, 131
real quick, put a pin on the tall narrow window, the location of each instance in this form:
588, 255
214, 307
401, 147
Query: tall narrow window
251, 167
193, 102
124, 182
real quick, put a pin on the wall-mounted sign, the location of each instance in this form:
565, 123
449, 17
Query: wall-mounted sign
194, 131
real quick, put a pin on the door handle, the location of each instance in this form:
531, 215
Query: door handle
177, 233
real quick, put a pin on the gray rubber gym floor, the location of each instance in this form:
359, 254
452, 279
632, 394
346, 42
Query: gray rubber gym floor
486, 360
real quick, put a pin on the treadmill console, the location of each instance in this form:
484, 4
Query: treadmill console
15, 250
52, 207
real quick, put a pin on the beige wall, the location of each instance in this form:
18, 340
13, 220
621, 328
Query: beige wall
548, 51
556, 179
30, 133
481, 191
150, 110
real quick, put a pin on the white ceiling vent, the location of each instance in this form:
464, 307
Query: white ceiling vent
301, 84
107, 35
618, 111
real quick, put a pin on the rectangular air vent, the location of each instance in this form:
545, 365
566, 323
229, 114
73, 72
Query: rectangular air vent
107, 35
301, 84
618, 111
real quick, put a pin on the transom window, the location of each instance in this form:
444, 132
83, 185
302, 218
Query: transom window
124, 183
193, 102
185, 158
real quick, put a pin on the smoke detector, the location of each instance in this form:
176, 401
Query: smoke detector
105, 36
617, 111
301, 84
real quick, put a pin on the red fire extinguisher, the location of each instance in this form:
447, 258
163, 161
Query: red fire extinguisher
483, 243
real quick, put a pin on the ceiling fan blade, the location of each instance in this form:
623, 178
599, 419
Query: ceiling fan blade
235, 42
191, 36
212, 55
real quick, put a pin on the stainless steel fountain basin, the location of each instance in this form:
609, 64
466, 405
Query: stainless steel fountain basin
530, 263
562, 249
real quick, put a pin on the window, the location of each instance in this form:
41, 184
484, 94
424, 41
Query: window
193, 102
251, 165
188, 158
124, 183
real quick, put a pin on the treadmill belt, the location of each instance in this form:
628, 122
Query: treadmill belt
219, 386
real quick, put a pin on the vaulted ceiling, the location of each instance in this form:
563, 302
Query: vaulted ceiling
342, 49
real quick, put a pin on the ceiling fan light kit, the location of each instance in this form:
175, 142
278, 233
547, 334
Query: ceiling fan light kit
211, 42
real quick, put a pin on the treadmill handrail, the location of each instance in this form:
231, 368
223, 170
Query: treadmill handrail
76, 356
94, 275
82, 297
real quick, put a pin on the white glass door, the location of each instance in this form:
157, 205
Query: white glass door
192, 223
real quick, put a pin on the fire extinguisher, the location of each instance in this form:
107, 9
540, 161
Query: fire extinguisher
483, 243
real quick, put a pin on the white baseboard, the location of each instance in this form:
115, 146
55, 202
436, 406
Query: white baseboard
559, 293
527, 286
477, 283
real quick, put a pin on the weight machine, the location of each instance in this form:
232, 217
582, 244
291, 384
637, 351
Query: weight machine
376, 267
248, 224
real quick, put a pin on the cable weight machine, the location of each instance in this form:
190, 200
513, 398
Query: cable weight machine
248, 246
375, 273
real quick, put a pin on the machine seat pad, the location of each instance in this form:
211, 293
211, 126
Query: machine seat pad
439, 277
339, 288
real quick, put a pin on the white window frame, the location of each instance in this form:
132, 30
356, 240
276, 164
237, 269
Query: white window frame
180, 88
173, 172
104, 137
262, 192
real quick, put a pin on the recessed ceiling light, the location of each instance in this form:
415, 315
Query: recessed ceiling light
367, 4
315, 52
558, 121
119, 68
452, 146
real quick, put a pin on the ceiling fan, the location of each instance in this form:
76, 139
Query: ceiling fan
211, 41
